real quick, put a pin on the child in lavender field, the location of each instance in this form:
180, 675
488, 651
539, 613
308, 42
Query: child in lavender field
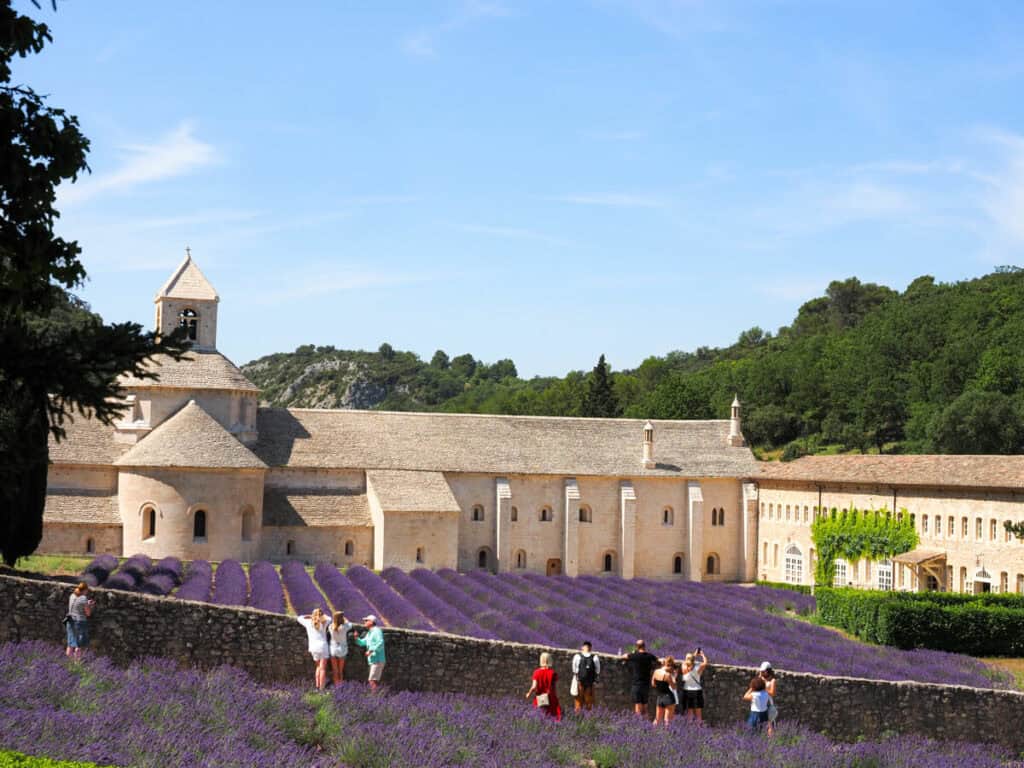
77, 620
339, 646
759, 702
316, 630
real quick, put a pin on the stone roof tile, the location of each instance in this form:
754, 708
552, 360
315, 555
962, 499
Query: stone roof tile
919, 470
188, 282
191, 438
410, 491
496, 444
315, 507
81, 506
87, 441
199, 369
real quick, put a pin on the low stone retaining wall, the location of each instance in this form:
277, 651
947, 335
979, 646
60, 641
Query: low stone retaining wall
272, 647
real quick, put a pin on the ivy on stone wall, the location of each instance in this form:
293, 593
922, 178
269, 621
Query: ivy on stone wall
853, 534
1015, 529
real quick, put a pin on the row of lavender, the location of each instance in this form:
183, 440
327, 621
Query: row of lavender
194, 719
734, 625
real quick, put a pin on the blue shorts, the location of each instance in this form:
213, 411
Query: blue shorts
756, 720
78, 634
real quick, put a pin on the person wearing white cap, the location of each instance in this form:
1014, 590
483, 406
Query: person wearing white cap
373, 642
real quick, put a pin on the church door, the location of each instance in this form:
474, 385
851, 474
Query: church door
554, 567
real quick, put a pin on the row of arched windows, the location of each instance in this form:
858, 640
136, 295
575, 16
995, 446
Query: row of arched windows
979, 528
586, 515
199, 523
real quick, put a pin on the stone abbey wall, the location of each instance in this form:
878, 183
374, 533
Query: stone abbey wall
272, 647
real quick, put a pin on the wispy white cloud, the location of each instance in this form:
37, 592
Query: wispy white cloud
175, 154
613, 200
424, 42
863, 200
1003, 199
513, 233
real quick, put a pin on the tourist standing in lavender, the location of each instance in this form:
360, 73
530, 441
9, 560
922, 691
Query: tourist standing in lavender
767, 674
641, 665
664, 683
759, 702
77, 620
373, 642
316, 631
692, 703
339, 646
544, 687
586, 667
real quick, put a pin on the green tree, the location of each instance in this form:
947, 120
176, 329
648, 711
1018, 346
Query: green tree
440, 360
601, 400
56, 358
979, 422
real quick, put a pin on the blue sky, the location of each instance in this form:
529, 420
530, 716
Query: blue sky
535, 180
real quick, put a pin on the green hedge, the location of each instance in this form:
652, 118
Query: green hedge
979, 625
18, 760
803, 589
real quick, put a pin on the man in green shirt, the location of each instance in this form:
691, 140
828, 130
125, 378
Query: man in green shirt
373, 642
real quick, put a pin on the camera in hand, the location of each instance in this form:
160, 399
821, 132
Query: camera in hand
357, 631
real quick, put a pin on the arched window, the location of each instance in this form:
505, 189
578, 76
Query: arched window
924, 523
668, 516
189, 319
1020, 583
148, 522
608, 564
963, 527
586, 515
771, 511
90, 545
807, 514
481, 559
712, 565
247, 523
289, 548
951, 526
963, 579
677, 564
513, 515
199, 524
938, 525
714, 516
478, 514
545, 514
977, 528
520, 559
721, 516
992, 527
775, 555
787, 513
1004, 582
1007, 535
764, 555
350, 548
763, 513
794, 565
419, 554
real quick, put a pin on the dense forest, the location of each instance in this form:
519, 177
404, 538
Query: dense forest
936, 368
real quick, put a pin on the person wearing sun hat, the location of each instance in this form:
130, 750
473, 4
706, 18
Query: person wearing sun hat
373, 642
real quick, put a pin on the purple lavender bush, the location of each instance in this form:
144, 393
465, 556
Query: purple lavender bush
153, 714
342, 593
265, 591
230, 586
131, 574
302, 593
444, 614
197, 582
98, 570
157, 584
391, 606
169, 566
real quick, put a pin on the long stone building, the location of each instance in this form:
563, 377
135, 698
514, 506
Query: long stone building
197, 469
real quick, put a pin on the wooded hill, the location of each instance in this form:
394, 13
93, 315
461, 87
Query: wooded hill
936, 368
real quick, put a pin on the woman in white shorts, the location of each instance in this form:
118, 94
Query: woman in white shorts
339, 646
316, 629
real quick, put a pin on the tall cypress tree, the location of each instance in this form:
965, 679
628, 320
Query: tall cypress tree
601, 400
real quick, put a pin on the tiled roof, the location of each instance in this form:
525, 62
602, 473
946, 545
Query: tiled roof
191, 438
88, 441
496, 444
81, 506
931, 470
200, 369
400, 490
187, 282
315, 507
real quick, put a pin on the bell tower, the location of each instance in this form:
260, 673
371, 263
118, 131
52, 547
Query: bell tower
188, 300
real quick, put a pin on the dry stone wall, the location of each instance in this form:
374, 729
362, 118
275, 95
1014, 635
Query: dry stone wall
272, 647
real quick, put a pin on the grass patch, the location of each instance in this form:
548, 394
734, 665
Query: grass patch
20, 760
1014, 666
55, 565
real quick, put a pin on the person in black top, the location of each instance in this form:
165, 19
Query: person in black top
641, 664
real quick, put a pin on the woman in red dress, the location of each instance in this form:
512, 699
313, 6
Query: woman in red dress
545, 681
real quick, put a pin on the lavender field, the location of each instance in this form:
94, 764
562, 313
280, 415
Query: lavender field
733, 624
152, 715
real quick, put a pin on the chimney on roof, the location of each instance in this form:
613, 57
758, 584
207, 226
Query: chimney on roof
735, 431
649, 446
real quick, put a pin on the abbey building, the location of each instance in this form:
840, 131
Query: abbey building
197, 469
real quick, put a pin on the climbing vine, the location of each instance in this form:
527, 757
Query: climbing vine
1016, 529
854, 534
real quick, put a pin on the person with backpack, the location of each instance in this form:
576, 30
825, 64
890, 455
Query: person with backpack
586, 667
